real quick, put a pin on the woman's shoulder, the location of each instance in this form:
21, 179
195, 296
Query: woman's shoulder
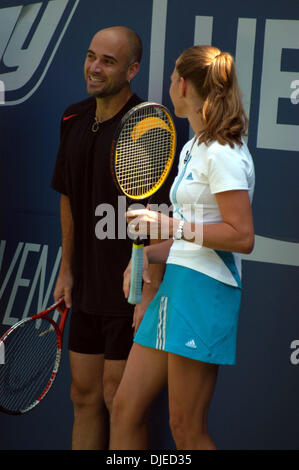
218, 150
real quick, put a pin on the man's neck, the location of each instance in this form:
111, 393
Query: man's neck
109, 106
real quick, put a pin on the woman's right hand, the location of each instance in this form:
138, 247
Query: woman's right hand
127, 274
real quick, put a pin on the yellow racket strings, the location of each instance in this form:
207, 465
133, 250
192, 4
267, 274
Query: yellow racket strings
144, 152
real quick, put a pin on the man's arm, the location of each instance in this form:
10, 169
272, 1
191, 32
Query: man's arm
64, 281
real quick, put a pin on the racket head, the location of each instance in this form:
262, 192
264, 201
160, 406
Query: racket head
32, 352
143, 150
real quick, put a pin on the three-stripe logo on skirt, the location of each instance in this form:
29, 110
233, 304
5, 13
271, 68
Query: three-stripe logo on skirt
161, 329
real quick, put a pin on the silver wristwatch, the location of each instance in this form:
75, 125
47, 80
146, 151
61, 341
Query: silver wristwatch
179, 233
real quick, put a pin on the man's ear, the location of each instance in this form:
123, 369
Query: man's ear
132, 70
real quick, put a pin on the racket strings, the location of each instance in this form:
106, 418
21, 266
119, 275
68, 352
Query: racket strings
30, 357
144, 151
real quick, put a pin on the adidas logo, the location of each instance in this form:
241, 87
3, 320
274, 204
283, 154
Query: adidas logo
190, 176
191, 344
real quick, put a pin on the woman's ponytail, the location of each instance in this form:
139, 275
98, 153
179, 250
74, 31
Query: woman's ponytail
213, 75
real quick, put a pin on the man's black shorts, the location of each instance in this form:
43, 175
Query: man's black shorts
101, 334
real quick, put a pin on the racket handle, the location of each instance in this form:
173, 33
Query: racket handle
136, 274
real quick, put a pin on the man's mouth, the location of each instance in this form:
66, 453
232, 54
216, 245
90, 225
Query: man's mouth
95, 79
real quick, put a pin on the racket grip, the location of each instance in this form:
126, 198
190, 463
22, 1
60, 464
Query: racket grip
136, 274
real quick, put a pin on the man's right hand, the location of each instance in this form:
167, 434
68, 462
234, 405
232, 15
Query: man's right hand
63, 288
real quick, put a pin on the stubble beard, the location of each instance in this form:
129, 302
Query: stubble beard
105, 93
109, 90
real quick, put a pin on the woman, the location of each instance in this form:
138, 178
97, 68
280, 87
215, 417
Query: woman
190, 327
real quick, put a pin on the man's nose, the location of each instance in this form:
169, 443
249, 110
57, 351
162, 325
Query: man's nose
96, 66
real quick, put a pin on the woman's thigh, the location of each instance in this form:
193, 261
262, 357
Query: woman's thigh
144, 377
191, 385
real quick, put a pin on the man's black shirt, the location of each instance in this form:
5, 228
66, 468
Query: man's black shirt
82, 172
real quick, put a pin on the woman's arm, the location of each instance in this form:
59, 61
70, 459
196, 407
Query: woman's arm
158, 253
234, 233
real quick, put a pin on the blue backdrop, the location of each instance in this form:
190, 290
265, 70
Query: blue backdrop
42, 50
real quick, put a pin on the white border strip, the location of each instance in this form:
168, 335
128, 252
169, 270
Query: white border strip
269, 250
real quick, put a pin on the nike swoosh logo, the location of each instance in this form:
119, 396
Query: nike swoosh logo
65, 118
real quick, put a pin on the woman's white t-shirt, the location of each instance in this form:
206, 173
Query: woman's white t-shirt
203, 172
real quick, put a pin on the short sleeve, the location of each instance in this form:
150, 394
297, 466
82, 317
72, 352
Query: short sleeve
226, 169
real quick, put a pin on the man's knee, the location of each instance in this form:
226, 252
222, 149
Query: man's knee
84, 396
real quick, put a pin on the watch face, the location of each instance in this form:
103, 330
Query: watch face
178, 234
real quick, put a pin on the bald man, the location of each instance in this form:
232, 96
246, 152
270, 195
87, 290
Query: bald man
91, 271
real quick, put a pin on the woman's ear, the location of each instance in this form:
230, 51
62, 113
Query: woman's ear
183, 87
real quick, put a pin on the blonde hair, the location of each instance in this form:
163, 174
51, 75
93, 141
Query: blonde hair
213, 75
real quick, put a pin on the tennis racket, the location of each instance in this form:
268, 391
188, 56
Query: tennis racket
143, 151
32, 352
